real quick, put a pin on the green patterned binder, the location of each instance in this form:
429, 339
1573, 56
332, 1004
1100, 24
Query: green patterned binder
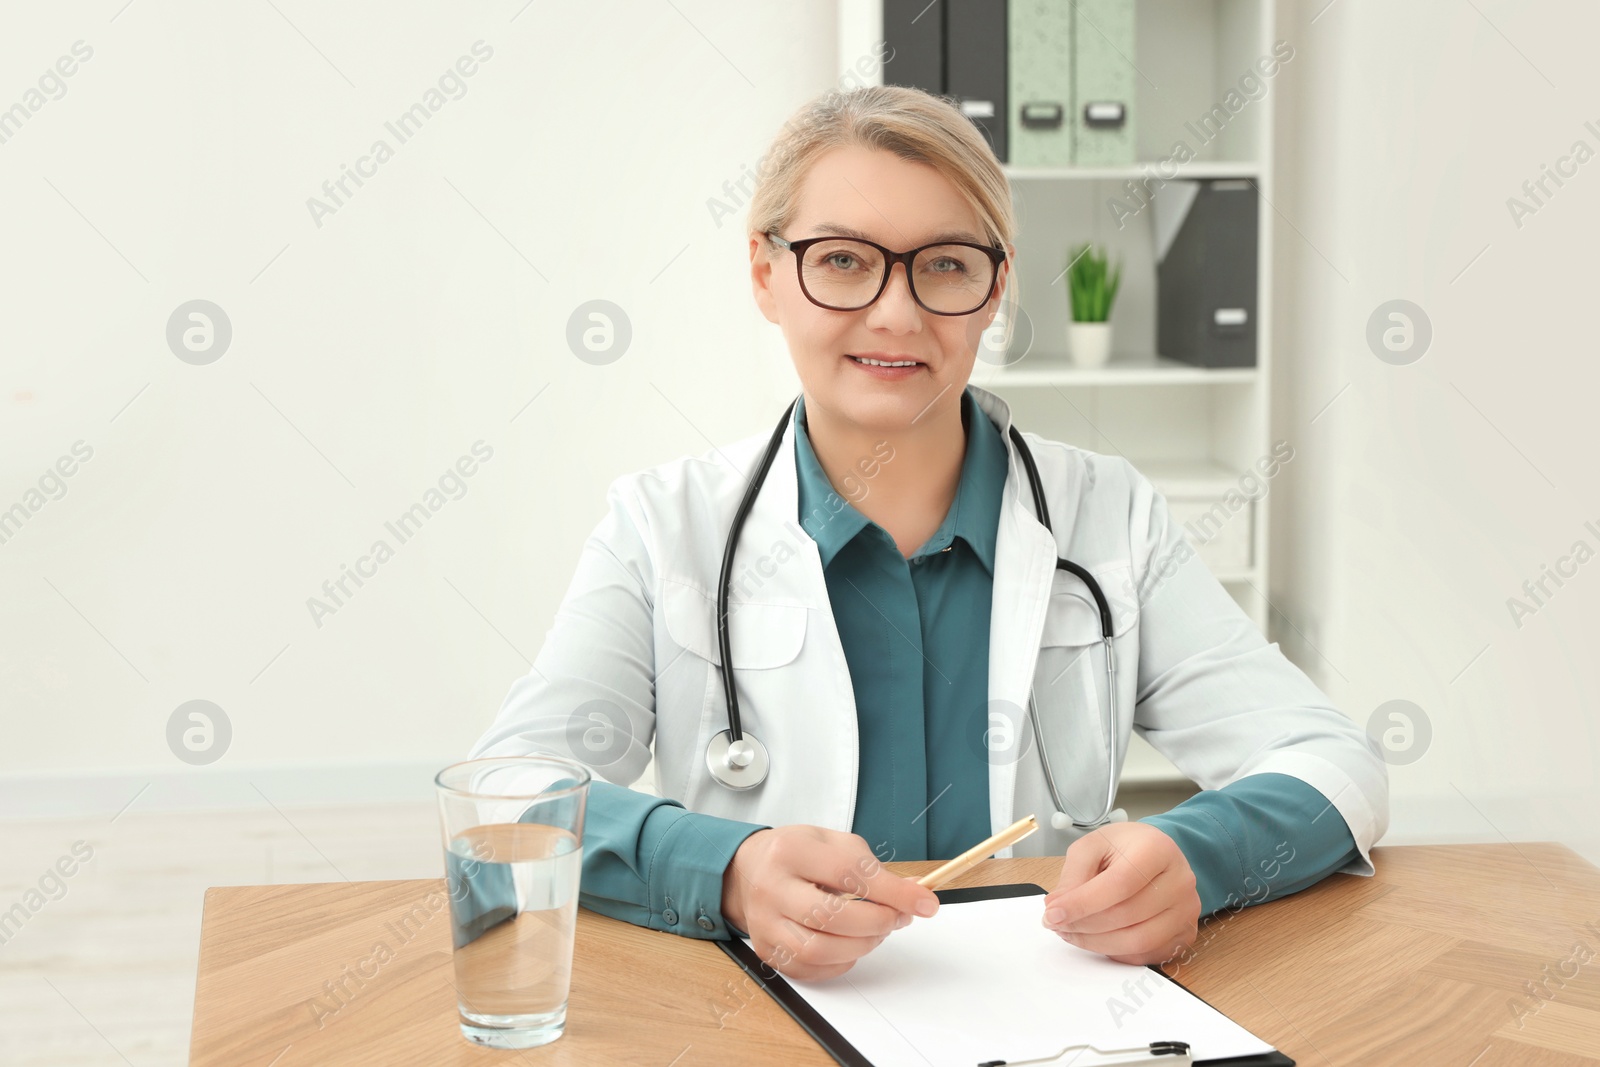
1039, 71
1103, 59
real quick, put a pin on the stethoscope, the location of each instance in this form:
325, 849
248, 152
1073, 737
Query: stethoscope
739, 761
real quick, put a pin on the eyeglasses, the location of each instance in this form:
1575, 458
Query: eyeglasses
847, 274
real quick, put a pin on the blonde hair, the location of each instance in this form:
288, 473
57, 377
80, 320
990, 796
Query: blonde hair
916, 126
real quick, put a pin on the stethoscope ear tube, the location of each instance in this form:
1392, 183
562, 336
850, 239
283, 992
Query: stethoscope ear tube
733, 759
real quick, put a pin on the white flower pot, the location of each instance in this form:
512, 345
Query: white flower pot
1089, 343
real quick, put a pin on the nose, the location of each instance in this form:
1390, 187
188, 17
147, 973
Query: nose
896, 309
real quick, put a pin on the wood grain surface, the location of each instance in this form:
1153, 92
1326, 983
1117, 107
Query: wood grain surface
1478, 955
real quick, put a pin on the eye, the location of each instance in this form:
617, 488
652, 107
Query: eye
832, 260
947, 265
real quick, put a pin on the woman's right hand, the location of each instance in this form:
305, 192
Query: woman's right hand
790, 888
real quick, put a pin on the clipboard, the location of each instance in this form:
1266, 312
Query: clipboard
1172, 1052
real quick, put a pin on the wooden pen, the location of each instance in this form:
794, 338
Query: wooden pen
979, 852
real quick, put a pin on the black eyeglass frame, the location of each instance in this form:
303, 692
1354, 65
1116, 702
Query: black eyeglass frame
890, 258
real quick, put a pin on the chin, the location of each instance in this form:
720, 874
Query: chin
878, 408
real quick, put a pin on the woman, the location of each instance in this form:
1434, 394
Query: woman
885, 645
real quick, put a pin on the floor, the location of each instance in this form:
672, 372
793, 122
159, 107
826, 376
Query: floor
97, 966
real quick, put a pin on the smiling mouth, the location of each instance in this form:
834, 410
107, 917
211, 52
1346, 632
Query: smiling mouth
885, 363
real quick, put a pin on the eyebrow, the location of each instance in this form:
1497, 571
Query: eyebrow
831, 229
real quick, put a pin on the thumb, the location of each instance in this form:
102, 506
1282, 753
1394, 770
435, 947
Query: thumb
877, 884
904, 894
1085, 858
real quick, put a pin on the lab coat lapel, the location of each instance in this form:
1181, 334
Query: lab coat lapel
1024, 569
825, 738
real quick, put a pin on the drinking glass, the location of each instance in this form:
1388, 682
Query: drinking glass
513, 852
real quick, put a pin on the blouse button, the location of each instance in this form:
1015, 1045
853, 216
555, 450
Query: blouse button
669, 917
706, 923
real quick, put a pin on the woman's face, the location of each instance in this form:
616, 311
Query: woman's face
870, 193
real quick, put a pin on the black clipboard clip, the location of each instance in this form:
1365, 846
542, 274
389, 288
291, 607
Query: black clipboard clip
1172, 1053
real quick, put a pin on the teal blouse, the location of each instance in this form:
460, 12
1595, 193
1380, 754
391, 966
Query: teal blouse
916, 637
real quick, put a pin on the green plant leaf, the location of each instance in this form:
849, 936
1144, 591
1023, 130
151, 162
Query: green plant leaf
1090, 290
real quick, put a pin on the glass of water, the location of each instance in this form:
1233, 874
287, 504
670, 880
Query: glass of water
513, 853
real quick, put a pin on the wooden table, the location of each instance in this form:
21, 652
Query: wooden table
1421, 964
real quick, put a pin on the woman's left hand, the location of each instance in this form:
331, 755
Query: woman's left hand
1126, 892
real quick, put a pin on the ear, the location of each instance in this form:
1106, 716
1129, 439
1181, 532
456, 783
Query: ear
761, 278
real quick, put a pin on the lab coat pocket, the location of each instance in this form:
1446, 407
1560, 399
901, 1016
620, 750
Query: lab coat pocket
763, 636
1070, 685
1074, 617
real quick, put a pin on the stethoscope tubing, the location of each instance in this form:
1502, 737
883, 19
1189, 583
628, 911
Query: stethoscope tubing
726, 576
742, 753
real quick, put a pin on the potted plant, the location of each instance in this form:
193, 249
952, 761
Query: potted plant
1091, 289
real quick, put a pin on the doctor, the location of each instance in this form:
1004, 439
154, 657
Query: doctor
894, 601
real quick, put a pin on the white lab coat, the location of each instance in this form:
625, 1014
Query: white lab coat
633, 655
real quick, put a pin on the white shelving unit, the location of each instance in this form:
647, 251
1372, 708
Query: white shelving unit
1194, 432
1123, 368
1191, 169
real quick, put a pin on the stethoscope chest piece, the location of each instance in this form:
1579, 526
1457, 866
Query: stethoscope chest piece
738, 764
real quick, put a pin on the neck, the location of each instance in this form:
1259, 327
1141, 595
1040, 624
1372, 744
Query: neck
908, 490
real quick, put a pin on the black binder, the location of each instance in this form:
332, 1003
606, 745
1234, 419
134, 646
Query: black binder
954, 48
914, 35
975, 66
846, 1054
1206, 278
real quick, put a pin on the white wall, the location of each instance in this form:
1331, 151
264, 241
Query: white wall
1425, 494
368, 353
372, 351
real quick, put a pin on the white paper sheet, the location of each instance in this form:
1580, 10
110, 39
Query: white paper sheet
984, 980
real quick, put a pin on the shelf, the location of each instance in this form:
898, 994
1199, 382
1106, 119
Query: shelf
1156, 169
1188, 478
1214, 421
1121, 369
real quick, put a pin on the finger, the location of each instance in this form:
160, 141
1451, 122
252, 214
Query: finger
803, 973
1126, 868
838, 913
1117, 883
862, 874
1086, 857
1173, 887
830, 872
792, 968
1155, 940
1148, 903
904, 895
830, 859
782, 959
819, 948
